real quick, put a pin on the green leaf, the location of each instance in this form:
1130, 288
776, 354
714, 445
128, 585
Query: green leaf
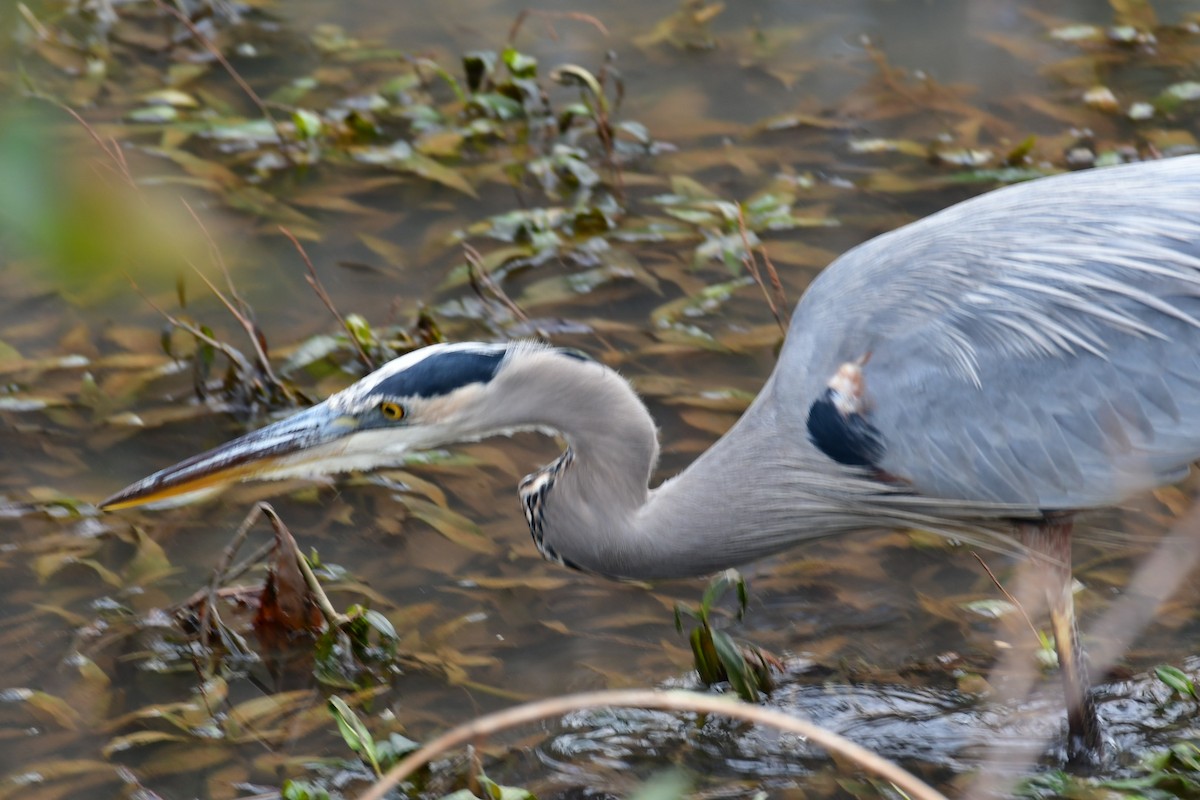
637, 130
1021, 152
245, 132
292, 93
1176, 679
478, 66
354, 732
716, 590
308, 123
497, 792
992, 608
379, 623
310, 352
159, 114
683, 611
575, 75
737, 672
394, 748
498, 106
704, 656
519, 64
303, 790
1177, 94
440, 71
361, 329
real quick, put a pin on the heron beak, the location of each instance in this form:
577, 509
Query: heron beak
296, 446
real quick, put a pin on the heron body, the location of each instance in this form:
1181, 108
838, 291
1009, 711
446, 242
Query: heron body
991, 368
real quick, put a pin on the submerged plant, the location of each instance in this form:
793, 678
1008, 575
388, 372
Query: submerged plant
716, 655
379, 754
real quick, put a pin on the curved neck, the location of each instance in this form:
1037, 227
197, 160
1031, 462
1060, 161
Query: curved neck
760, 489
741, 500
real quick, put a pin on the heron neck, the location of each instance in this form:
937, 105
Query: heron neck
594, 509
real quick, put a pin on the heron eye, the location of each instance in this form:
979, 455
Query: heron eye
391, 411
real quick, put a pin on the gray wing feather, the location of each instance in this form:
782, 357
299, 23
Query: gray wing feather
1037, 346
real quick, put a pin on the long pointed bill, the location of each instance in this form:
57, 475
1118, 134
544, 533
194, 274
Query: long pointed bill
293, 447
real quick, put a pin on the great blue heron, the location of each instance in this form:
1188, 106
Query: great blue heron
986, 371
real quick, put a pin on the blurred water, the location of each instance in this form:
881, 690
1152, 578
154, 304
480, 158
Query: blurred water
859, 606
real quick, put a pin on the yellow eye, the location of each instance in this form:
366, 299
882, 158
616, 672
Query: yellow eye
391, 411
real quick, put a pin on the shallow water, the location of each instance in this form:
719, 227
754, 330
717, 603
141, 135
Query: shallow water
872, 626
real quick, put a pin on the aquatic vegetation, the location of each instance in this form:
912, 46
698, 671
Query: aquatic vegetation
718, 658
390, 181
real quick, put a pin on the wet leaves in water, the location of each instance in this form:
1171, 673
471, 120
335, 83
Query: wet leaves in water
687, 28
574, 226
707, 301
46, 708
400, 156
451, 524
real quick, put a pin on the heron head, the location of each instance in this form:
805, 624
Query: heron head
424, 399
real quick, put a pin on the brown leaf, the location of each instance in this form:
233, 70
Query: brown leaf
263, 712
443, 143
331, 202
432, 170
390, 252
731, 400
137, 739
420, 486
47, 566
452, 525
91, 695
1136, 13
708, 421
147, 37
286, 606
537, 583
149, 563
48, 707
53, 772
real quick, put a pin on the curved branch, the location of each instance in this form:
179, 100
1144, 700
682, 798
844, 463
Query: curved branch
490, 724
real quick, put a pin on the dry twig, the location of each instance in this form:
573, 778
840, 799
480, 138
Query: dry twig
1007, 594
237, 307
480, 281
317, 287
751, 262
548, 17
233, 355
233, 73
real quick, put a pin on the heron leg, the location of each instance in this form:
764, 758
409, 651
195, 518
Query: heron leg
1051, 543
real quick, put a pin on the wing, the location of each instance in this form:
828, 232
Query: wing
1038, 345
